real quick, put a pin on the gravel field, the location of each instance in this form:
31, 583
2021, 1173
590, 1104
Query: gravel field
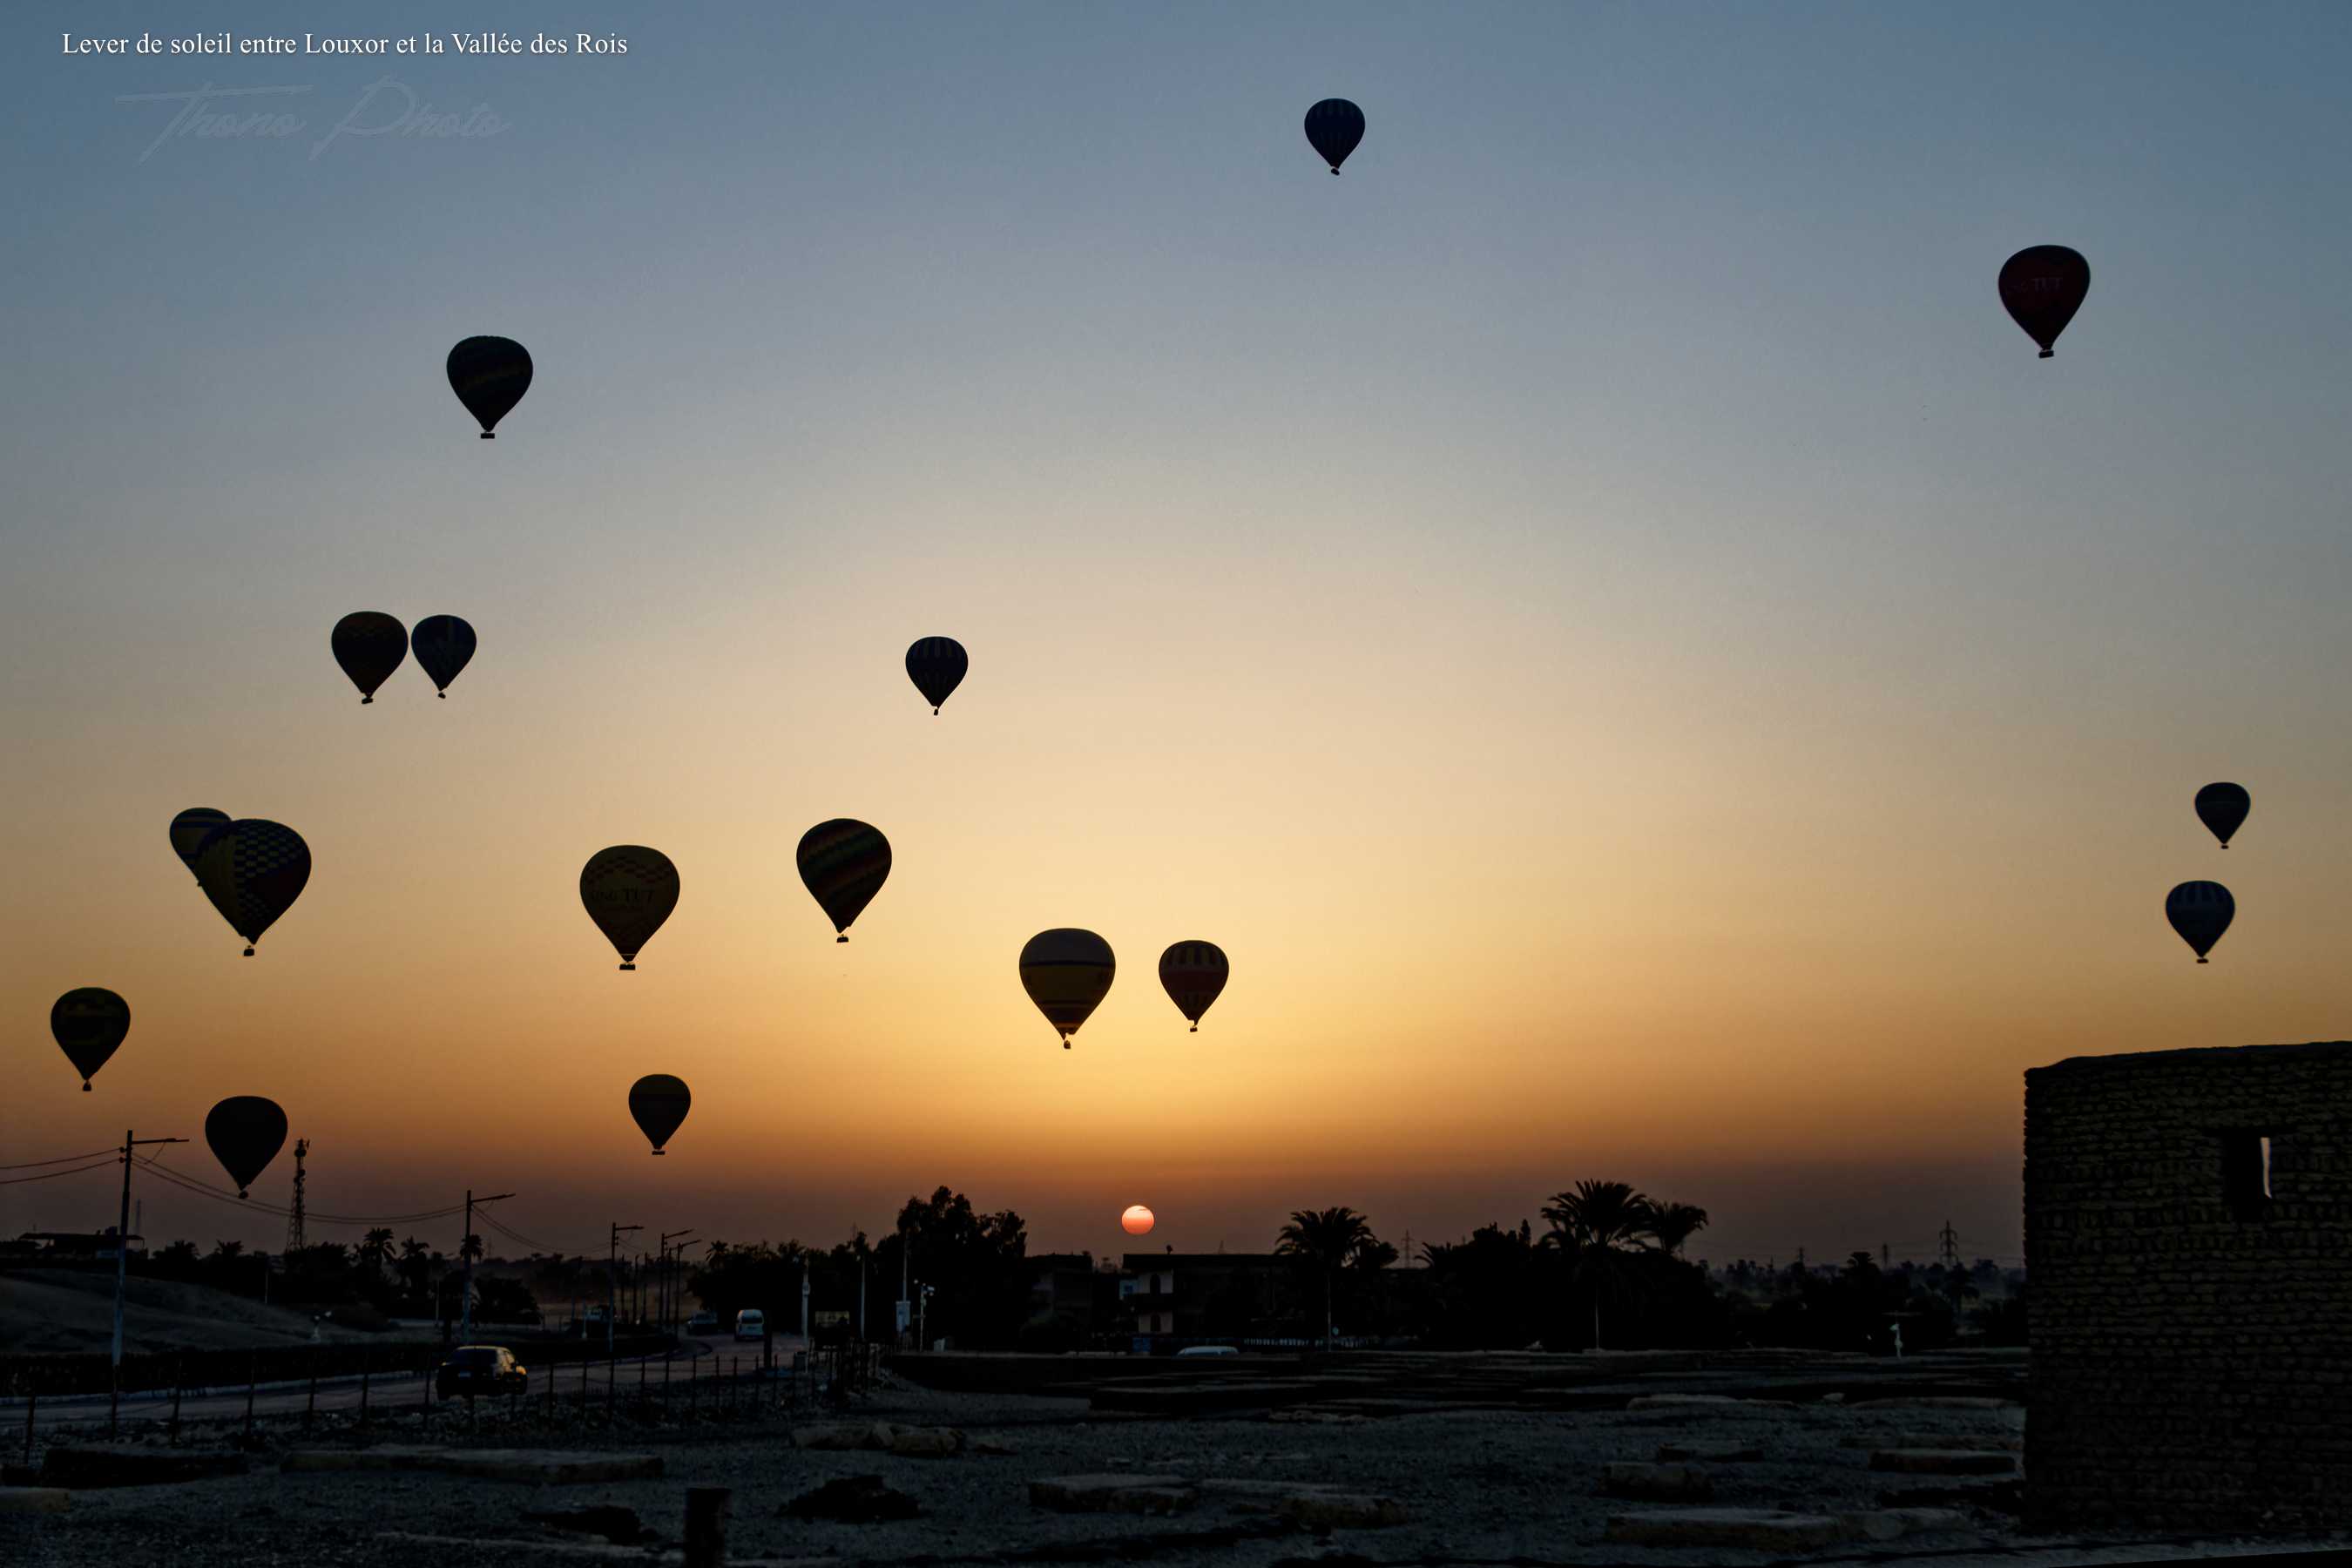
1478, 1487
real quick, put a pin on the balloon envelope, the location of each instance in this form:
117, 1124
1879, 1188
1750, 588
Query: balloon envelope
2200, 912
1136, 1221
253, 871
660, 1103
2042, 286
1066, 973
2222, 807
844, 864
1333, 127
369, 645
246, 1132
188, 830
489, 376
937, 666
89, 1025
1193, 973
442, 644
629, 891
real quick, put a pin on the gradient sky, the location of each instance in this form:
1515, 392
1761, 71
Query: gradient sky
1597, 610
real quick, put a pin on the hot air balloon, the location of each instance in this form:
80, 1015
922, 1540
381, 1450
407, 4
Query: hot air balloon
2200, 912
2222, 807
658, 1102
253, 871
188, 830
246, 1132
1066, 973
442, 644
1136, 1221
489, 376
2043, 286
1333, 127
629, 891
369, 645
1193, 973
844, 864
89, 1025
937, 666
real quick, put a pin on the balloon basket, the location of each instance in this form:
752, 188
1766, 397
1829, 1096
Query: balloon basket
85, 1086
627, 967
658, 1154
2049, 354
249, 952
840, 939
2204, 960
486, 435
443, 695
366, 700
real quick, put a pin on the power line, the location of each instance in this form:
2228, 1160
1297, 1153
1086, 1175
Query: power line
51, 1175
62, 1160
205, 1189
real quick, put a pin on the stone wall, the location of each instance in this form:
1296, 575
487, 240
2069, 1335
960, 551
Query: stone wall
2192, 1332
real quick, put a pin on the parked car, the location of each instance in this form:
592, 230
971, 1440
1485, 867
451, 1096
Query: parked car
476, 1370
702, 1323
750, 1324
1208, 1350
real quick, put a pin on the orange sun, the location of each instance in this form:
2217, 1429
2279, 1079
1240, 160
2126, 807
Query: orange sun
1137, 1220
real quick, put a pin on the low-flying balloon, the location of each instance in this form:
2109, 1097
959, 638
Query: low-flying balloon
1136, 1221
246, 1132
1193, 973
1066, 973
253, 871
659, 1103
937, 666
369, 645
1333, 127
89, 1023
629, 891
188, 830
2200, 912
442, 644
844, 864
2042, 286
2222, 807
489, 376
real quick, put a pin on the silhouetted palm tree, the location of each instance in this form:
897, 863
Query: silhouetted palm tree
1597, 1227
374, 1249
415, 1263
1328, 1239
1674, 1224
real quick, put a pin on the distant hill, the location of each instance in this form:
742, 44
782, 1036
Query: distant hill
45, 1311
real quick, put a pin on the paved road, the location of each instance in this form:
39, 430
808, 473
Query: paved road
699, 1358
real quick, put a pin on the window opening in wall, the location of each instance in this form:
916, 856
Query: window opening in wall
2246, 1173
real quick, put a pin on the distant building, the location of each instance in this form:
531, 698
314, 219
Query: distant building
74, 1246
2187, 1215
1062, 1286
1202, 1295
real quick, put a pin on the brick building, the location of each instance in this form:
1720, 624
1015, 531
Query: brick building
2188, 1244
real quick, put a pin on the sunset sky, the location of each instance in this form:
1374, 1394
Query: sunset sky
1596, 610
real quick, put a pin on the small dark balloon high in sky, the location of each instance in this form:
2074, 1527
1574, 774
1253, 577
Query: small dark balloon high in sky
489, 376
444, 645
245, 1133
2222, 807
2043, 286
1067, 972
2200, 912
659, 1103
253, 870
1334, 127
369, 645
188, 830
937, 666
89, 1025
628, 890
1193, 973
843, 864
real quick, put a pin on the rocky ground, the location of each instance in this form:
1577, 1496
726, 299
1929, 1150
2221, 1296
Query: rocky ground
1484, 1487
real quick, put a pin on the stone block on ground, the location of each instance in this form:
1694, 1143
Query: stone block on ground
34, 1499
854, 1499
1655, 1483
1321, 1509
1708, 1453
925, 1442
620, 1526
1944, 1462
1891, 1524
841, 1435
1753, 1529
1114, 1494
125, 1465
1705, 1401
1989, 1442
1937, 1402
540, 1467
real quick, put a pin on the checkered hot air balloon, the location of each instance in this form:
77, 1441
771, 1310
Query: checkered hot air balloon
844, 864
245, 1133
628, 890
369, 645
489, 376
1066, 973
89, 1023
253, 871
1193, 973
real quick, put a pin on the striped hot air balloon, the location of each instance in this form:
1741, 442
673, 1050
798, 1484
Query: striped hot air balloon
253, 871
2200, 912
1333, 127
1192, 974
489, 376
937, 666
1066, 973
628, 890
844, 864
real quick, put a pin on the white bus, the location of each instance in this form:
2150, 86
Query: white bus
750, 1324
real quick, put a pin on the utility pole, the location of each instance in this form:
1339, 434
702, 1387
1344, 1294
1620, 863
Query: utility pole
612, 1281
1948, 1241
466, 1253
861, 1292
123, 1236
665, 1285
804, 1299
905, 1245
294, 1239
